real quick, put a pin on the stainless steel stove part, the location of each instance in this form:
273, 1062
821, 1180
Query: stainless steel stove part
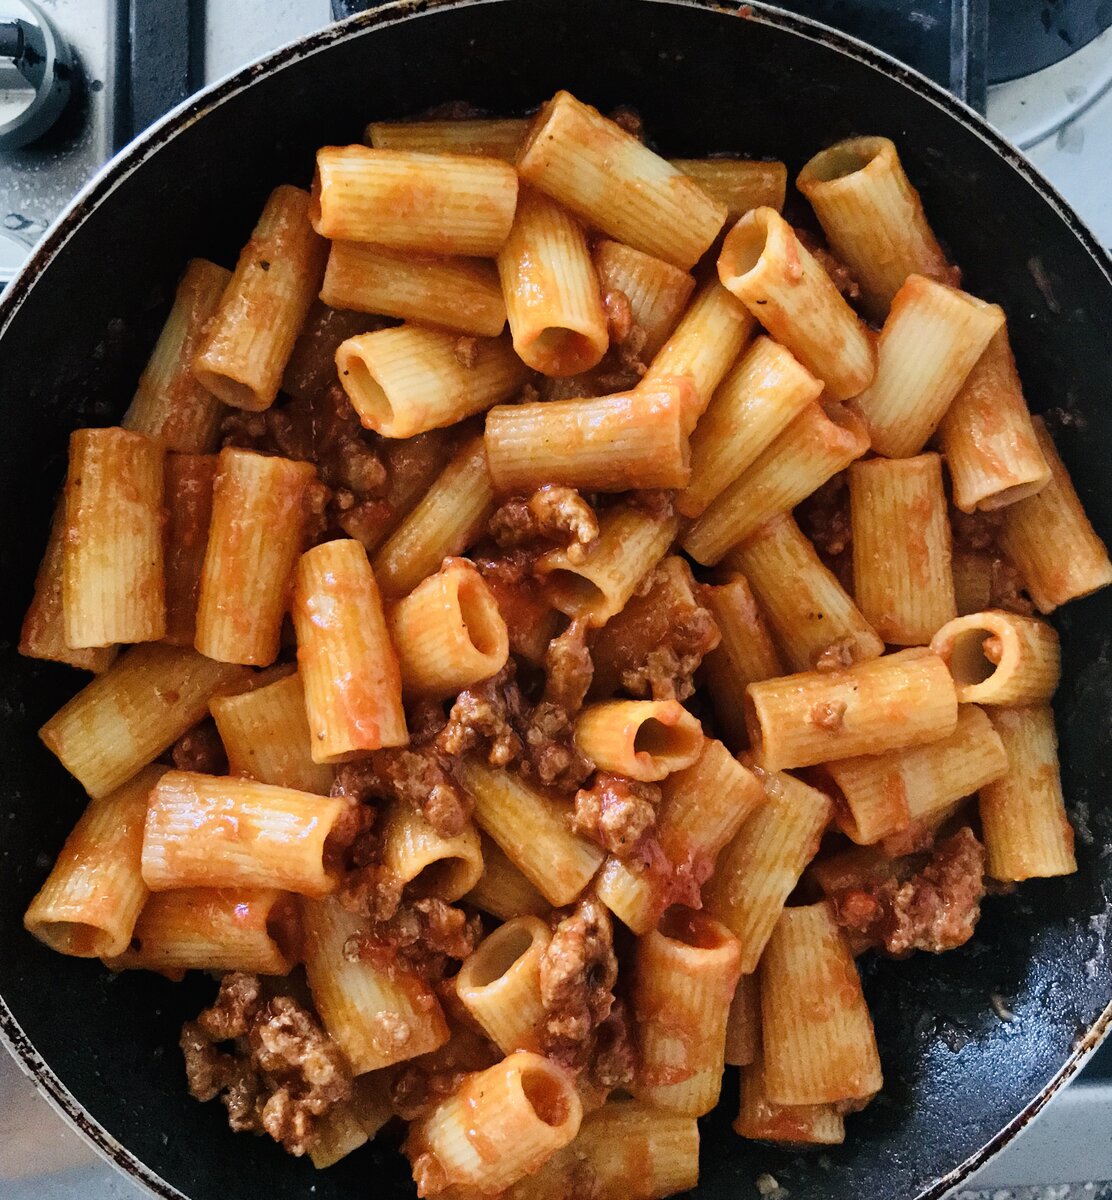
38, 76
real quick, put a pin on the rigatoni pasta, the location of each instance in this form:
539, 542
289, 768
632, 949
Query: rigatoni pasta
741, 184
189, 482
656, 292
1000, 658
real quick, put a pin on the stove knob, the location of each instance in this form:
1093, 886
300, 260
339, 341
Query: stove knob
36, 76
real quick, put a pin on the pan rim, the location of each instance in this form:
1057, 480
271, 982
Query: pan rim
133, 156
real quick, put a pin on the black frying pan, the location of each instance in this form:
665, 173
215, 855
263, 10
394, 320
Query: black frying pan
75, 329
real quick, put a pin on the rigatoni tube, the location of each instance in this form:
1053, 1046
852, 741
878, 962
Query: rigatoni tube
930, 342
606, 443
457, 293
811, 614
760, 397
502, 890
901, 547
503, 1123
988, 439
427, 863
259, 510
743, 1025
406, 380
685, 974
189, 482
796, 1124
741, 184
631, 542
1023, 816
348, 667
872, 217
787, 289
551, 289
499, 984
376, 1016
1050, 540
615, 183
656, 291
170, 404
819, 1044
216, 831
112, 583
130, 714
823, 440
92, 897
448, 632
492, 137
902, 699
243, 352
1000, 658
408, 200
640, 739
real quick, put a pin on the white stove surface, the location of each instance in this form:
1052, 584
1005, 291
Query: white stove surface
1062, 118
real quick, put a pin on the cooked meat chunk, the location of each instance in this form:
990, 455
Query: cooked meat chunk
616, 812
619, 315
200, 749
568, 668
421, 777
550, 750
421, 936
484, 718
283, 1072
837, 656
935, 910
554, 514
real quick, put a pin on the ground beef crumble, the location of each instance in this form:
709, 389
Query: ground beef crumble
421, 936
283, 1073
421, 777
554, 514
568, 668
616, 812
934, 910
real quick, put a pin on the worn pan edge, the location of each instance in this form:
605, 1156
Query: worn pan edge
132, 157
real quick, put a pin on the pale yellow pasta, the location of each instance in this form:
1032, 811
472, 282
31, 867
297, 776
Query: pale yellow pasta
406, 380
656, 291
631, 542
684, 976
447, 520
872, 218
812, 617
266, 736
627, 1151
499, 984
347, 663
753, 405
987, 437
502, 890
170, 404
112, 583
376, 1016
640, 739
1000, 658
94, 893
532, 828
815, 1053
458, 293
606, 443
1049, 538
448, 632
551, 289
352, 1123
932, 339
741, 184
902, 576
887, 793
887, 703
259, 514
188, 500
743, 1025
130, 714
504, 1123
243, 351
702, 807
214, 929
615, 183
823, 440
428, 863
757, 871
765, 265
707, 341
491, 137
409, 200
797, 1124
745, 655
214, 831
43, 633
1026, 831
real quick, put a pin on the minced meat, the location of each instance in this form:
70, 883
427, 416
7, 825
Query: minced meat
616, 812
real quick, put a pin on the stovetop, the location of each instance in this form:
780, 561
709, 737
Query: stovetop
138, 57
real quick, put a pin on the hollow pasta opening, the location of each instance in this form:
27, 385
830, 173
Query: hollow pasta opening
375, 408
744, 246
575, 592
847, 158
498, 953
563, 351
547, 1094
655, 739
479, 614
75, 938
223, 387
439, 880
974, 656
694, 929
